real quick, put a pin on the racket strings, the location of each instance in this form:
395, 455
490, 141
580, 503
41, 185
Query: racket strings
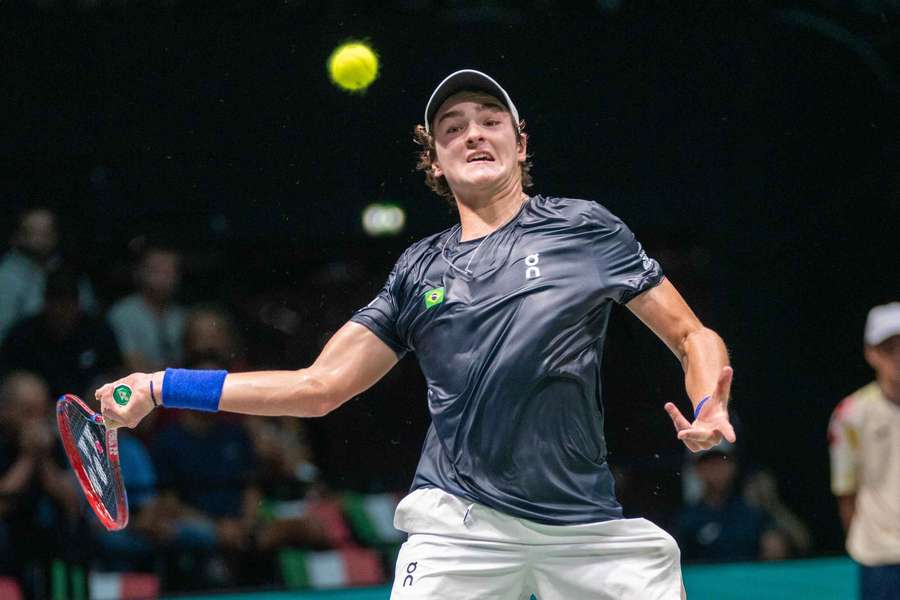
90, 441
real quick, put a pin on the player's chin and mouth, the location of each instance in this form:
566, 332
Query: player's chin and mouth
479, 176
483, 170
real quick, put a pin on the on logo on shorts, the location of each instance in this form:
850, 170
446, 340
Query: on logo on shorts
410, 569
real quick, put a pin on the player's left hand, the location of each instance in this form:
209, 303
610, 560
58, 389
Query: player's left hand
712, 424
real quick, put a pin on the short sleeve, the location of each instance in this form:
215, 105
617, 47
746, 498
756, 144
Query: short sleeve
625, 269
843, 447
381, 316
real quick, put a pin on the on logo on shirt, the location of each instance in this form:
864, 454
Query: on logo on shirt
532, 269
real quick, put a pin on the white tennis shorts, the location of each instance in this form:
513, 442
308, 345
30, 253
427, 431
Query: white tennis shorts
458, 550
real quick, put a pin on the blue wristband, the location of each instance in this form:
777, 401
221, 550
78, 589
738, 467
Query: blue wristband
700, 407
193, 389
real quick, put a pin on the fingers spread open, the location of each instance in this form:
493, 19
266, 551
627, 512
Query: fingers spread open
695, 446
678, 419
688, 434
727, 432
700, 435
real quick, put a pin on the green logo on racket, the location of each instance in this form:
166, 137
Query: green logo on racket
122, 394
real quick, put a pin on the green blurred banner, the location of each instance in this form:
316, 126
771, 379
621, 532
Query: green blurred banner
819, 579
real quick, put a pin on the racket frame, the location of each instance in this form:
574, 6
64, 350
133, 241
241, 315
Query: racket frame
112, 453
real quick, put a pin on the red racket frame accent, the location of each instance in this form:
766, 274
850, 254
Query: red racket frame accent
112, 450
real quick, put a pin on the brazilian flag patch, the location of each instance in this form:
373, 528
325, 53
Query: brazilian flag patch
434, 297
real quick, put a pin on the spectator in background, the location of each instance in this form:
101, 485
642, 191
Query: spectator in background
134, 548
207, 465
23, 270
209, 335
288, 480
39, 498
210, 331
864, 439
149, 324
158, 523
794, 538
286, 467
64, 344
721, 525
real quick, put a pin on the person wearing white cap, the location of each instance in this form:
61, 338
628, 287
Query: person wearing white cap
507, 314
864, 443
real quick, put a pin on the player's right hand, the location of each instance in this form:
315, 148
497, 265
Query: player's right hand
139, 405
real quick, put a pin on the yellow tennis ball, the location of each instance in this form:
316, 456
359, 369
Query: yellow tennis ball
353, 66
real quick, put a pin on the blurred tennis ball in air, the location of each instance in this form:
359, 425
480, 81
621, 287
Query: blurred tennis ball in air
353, 66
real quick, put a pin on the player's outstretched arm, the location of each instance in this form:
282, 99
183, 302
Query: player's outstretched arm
707, 374
351, 362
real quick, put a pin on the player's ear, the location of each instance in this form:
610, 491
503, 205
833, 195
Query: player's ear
436, 169
522, 147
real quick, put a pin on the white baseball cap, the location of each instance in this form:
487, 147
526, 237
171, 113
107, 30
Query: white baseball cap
883, 322
467, 79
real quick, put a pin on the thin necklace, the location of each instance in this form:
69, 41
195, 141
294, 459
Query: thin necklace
458, 228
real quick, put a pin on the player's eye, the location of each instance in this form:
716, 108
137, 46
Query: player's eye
453, 129
492, 122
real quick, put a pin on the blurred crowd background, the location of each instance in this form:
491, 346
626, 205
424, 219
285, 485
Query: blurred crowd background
181, 186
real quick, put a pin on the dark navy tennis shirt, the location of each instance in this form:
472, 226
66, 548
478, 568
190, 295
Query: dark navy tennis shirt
508, 330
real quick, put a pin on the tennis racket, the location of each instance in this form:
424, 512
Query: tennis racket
93, 452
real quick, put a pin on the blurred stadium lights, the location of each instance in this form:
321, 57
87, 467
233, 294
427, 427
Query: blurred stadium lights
383, 219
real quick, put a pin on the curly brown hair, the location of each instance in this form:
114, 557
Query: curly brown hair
439, 185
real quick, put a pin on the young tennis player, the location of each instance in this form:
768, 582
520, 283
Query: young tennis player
506, 313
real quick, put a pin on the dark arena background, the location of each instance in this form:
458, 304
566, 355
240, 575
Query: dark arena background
752, 146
